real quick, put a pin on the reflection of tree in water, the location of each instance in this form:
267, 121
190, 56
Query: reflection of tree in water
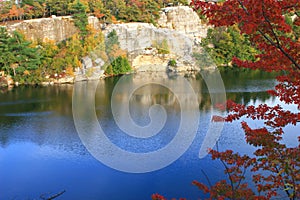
25, 112
242, 86
52, 106
247, 97
36, 99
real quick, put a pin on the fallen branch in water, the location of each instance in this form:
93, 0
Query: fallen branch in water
53, 196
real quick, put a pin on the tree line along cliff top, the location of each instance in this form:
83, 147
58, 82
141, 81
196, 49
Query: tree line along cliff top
104, 10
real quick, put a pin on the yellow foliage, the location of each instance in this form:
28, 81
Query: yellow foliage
26, 72
86, 4
69, 71
103, 56
93, 42
49, 41
114, 20
116, 52
91, 30
77, 62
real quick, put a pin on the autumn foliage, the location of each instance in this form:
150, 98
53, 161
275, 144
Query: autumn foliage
105, 10
275, 166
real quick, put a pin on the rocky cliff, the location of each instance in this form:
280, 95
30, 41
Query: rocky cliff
183, 20
179, 27
55, 28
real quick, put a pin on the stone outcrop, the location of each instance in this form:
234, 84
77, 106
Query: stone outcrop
151, 61
136, 37
182, 29
184, 20
6, 81
140, 39
90, 70
56, 28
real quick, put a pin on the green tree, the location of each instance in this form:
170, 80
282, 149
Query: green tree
6, 55
222, 44
150, 11
48, 51
24, 57
111, 41
34, 8
99, 10
133, 12
17, 54
117, 8
80, 17
119, 66
58, 7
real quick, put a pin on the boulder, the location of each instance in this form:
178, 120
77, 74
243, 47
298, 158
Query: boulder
99, 62
3, 82
86, 62
90, 70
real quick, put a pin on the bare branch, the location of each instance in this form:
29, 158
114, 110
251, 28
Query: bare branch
53, 196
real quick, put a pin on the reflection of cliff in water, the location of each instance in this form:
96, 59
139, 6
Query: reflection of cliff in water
43, 115
242, 87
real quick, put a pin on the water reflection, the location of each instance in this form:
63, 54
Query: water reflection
40, 151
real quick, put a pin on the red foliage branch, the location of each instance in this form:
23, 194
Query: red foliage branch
264, 22
275, 167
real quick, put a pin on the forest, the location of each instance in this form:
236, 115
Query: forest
30, 62
107, 11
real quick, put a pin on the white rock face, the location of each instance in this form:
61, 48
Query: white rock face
184, 20
180, 26
152, 63
136, 37
139, 38
55, 28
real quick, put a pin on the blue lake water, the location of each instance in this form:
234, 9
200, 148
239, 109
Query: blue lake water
41, 153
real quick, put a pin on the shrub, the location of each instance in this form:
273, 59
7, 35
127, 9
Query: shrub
119, 66
162, 47
172, 63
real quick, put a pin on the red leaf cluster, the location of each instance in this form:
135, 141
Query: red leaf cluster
274, 166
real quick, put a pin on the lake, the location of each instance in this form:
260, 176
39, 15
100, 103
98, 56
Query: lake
42, 149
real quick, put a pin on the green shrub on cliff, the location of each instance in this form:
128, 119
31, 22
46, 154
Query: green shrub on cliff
119, 66
111, 43
172, 63
162, 46
117, 57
